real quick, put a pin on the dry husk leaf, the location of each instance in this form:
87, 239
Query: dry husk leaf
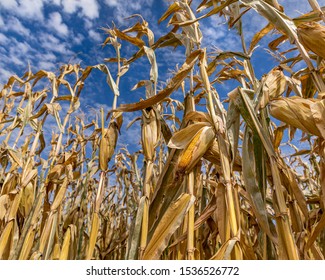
299, 112
312, 36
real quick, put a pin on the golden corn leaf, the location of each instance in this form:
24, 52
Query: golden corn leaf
93, 236
174, 84
56, 252
295, 111
56, 171
259, 35
4, 204
182, 138
28, 244
307, 86
66, 244
274, 85
318, 112
312, 36
167, 226
5, 240
225, 250
46, 232
213, 155
15, 205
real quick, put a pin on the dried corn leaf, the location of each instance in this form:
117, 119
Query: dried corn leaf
6, 240
172, 86
27, 200
296, 111
250, 181
274, 86
93, 235
66, 245
259, 35
182, 138
28, 244
4, 204
135, 237
312, 36
225, 250
318, 113
170, 221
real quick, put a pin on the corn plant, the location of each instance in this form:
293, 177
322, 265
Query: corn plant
212, 179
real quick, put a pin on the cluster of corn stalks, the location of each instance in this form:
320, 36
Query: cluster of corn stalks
213, 184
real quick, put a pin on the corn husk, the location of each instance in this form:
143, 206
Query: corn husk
107, 146
194, 151
312, 36
150, 133
274, 86
27, 199
213, 155
297, 112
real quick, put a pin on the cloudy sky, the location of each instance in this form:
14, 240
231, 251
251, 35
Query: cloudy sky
48, 33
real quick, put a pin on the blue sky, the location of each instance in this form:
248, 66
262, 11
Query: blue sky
49, 33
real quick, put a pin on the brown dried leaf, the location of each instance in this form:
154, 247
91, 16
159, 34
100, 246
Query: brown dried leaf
172, 86
171, 220
296, 111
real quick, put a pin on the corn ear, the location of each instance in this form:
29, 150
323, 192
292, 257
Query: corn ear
107, 145
312, 37
150, 133
27, 199
297, 112
213, 155
60, 195
274, 85
193, 152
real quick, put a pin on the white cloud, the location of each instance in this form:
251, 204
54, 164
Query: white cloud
55, 2
112, 3
127, 8
4, 75
15, 25
3, 39
88, 23
94, 35
9, 4
78, 38
52, 43
89, 8
70, 7
216, 34
55, 21
15, 54
16, 61
31, 9
22, 47
46, 65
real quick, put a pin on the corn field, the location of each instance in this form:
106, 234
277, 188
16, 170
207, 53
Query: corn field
212, 179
